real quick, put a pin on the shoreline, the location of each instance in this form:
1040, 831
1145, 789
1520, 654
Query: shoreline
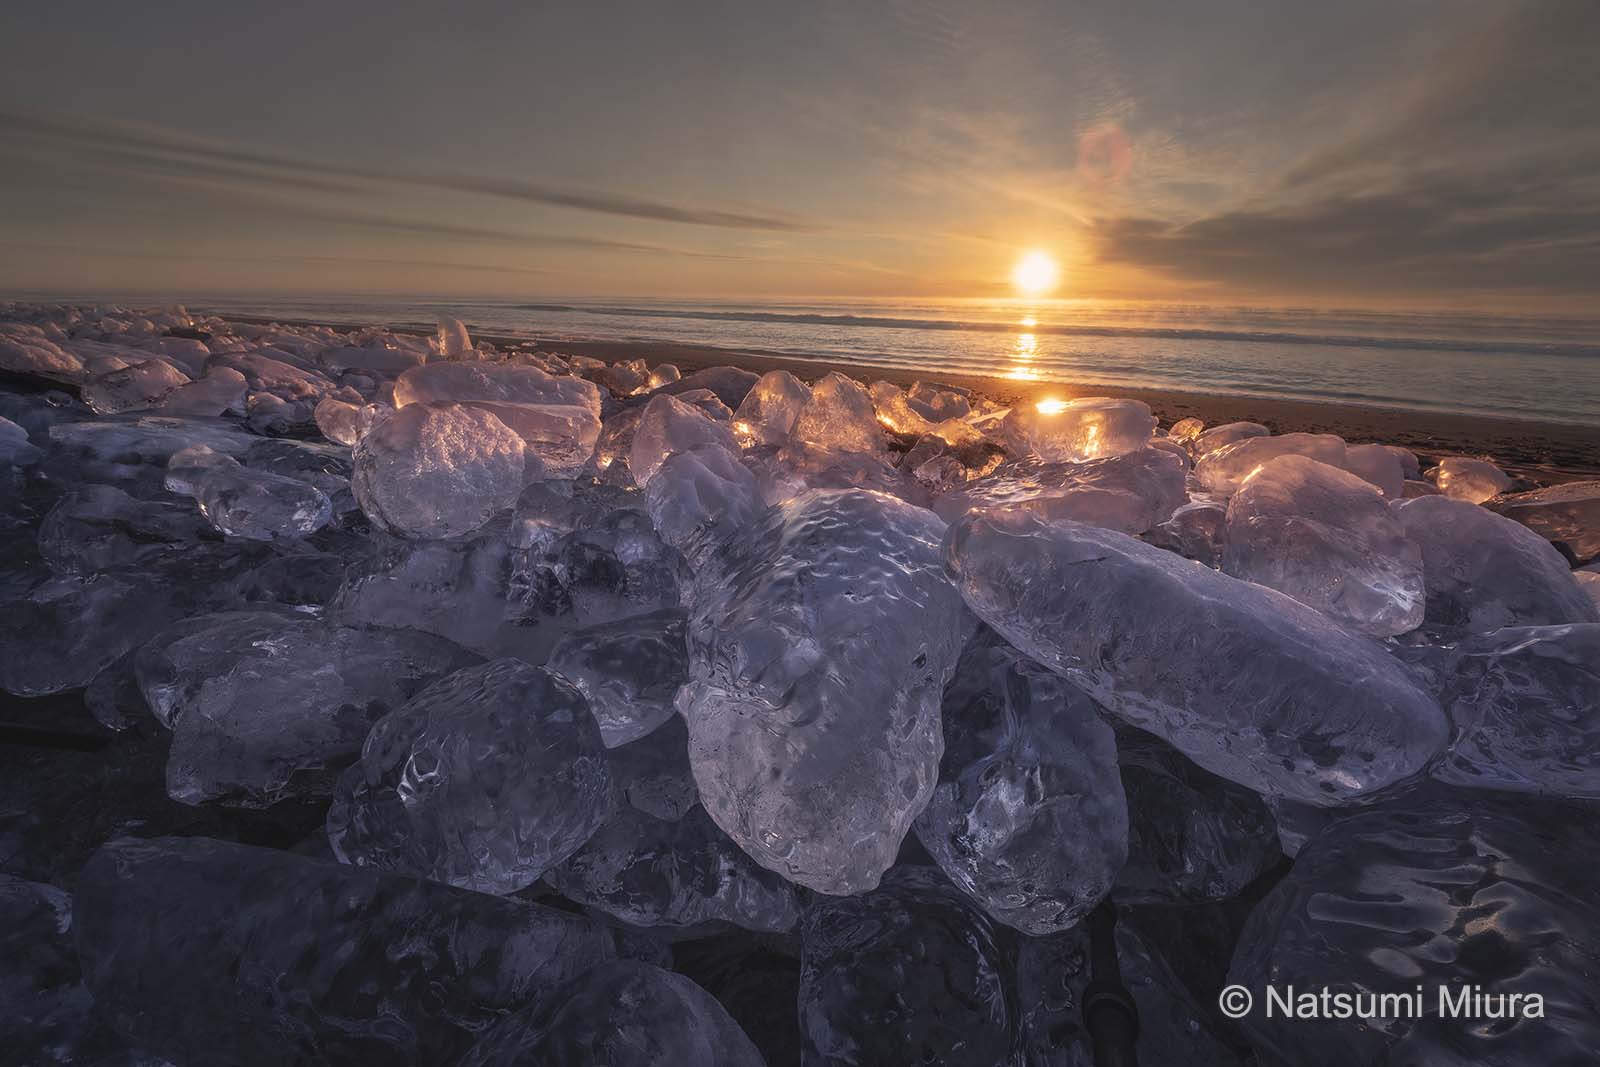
1546, 452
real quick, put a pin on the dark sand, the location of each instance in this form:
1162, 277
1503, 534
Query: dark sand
1542, 452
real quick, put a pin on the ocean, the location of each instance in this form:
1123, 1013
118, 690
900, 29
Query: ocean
1536, 367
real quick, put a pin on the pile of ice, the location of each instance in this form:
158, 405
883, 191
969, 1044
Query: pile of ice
413, 699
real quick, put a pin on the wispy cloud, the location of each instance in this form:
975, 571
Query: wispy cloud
169, 148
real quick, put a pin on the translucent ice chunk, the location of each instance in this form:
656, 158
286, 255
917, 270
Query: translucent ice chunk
485, 780
1484, 571
1451, 892
1248, 683
817, 660
133, 387
907, 973
436, 471
15, 450
244, 502
557, 417
1379, 465
1072, 431
669, 426
222, 389
97, 527
1028, 818
895, 410
1222, 470
1472, 480
702, 499
1525, 703
1130, 492
651, 872
629, 671
621, 1014
1568, 514
1191, 835
1326, 538
453, 340
1229, 433
264, 707
770, 408
1186, 430
1195, 531
201, 951
838, 417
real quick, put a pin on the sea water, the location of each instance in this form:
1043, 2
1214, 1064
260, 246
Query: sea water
1536, 367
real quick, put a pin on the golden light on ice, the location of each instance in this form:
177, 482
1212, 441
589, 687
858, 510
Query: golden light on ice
1051, 406
1036, 273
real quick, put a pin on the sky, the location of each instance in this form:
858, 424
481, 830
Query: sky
1413, 153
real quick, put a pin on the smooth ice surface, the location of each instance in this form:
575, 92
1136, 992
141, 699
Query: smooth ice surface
96, 527
133, 387
1186, 430
1228, 433
1195, 531
1379, 465
1028, 818
683, 872
240, 501
64, 632
1222, 470
1326, 538
629, 671
437, 471
201, 951
620, 1014
1073, 431
1131, 492
1525, 703
1483, 571
48, 1015
770, 408
1445, 888
838, 417
1472, 480
703, 499
558, 417
816, 662
15, 449
798, 467
485, 780
1248, 683
669, 426
264, 707
1567, 513
1191, 835
907, 973
220, 390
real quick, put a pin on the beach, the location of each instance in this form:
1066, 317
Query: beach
1538, 451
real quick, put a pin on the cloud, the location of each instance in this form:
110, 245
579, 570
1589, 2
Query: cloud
169, 148
1475, 172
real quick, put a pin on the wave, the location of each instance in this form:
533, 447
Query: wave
1423, 344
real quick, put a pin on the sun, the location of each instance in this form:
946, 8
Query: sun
1036, 273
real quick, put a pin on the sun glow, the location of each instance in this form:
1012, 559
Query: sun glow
1036, 273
